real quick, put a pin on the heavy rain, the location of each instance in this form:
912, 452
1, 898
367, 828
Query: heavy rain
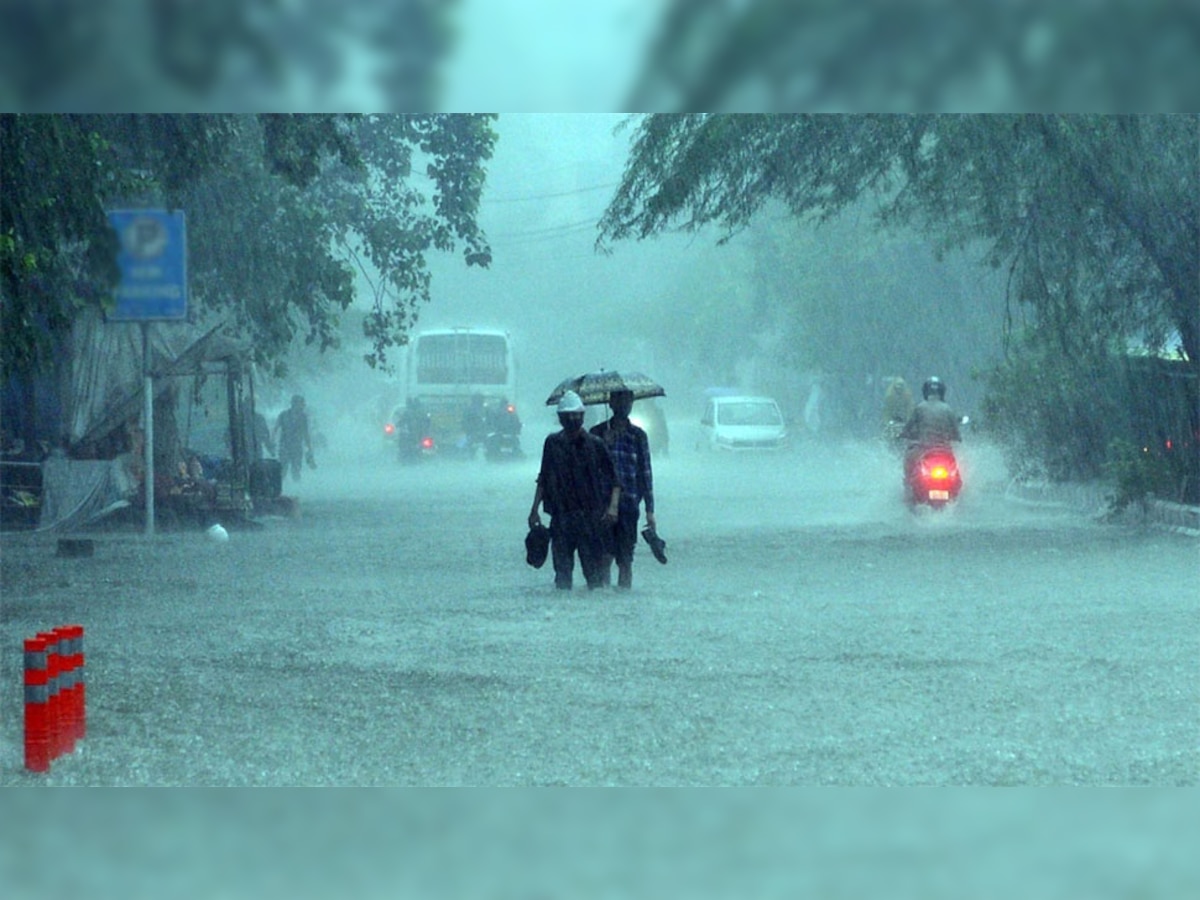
378, 623
361, 613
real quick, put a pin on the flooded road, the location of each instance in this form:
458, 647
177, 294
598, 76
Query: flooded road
807, 630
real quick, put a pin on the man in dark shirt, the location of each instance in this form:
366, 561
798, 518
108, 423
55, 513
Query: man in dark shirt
577, 486
295, 443
630, 451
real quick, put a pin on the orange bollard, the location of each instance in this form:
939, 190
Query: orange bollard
66, 688
81, 684
78, 695
53, 696
37, 706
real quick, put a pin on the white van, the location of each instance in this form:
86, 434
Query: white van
742, 423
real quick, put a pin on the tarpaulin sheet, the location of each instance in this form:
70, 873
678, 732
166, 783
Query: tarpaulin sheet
78, 492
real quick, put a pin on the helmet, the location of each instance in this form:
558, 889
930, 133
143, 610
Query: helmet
934, 385
570, 403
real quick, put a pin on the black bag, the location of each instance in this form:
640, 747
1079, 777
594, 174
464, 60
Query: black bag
537, 545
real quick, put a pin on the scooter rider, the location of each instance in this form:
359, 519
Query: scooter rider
932, 423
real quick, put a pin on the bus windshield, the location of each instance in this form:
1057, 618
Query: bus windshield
462, 358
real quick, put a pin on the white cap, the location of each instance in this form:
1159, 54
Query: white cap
570, 403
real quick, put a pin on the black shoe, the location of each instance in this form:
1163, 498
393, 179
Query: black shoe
657, 545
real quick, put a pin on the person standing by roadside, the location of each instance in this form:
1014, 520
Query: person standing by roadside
630, 450
294, 441
578, 488
897, 402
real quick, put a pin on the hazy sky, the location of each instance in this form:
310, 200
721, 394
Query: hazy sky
564, 304
548, 184
549, 56
570, 309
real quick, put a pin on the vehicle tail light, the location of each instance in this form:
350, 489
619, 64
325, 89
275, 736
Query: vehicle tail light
427, 443
389, 428
938, 469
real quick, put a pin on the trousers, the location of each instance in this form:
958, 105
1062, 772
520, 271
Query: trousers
579, 533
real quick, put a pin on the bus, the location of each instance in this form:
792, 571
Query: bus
447, 370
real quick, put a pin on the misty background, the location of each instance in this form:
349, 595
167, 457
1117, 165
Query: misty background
781, 307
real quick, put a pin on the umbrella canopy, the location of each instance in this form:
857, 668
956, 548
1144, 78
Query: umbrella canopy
596, 387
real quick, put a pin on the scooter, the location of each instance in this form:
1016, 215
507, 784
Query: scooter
933, 478
891, 438
415, 443
502, 446
503, 442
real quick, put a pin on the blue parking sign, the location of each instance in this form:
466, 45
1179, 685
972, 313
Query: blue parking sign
153, 263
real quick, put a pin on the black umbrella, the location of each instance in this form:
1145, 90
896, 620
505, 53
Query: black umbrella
596, 387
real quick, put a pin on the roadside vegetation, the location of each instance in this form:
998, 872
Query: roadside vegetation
1092, 220
283, 213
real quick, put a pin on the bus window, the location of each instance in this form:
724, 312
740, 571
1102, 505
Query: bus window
462, 359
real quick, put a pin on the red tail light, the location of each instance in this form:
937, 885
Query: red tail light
427, 443
938, 469
389, 428
511, 408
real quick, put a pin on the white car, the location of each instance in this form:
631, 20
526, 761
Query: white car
743, 423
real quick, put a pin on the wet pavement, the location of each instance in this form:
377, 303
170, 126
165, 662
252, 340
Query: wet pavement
807, 630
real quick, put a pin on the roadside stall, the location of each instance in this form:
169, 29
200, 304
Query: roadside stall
209, 453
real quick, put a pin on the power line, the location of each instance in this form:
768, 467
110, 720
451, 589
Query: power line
577, 191
539, 234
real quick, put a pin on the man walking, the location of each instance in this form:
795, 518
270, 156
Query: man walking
295, 444
578, 488
630, 450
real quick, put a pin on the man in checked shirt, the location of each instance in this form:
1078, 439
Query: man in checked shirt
630, 451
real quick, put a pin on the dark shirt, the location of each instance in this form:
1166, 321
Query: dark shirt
292, 426
932, 422
577, 474
630, 450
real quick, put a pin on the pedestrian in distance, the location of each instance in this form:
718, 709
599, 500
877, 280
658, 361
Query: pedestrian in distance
629, 447
293, 439
577, 487
474, 425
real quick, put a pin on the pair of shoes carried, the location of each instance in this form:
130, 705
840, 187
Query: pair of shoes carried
657, 545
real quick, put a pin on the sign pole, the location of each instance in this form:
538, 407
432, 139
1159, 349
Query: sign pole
153, 287
148, 419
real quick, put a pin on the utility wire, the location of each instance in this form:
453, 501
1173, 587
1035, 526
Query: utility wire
586, 190
540, 234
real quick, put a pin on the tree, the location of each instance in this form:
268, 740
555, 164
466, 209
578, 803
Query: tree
222, 54
1107, 202
780, 55
275, 204
1095, 217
